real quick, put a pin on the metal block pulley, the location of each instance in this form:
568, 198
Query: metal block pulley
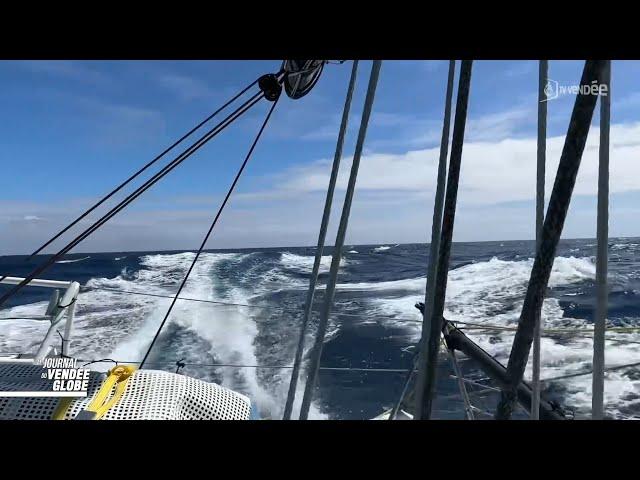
300, 76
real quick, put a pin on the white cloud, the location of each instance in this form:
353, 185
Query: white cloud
497, 125
417, 132
393, 202
492, 171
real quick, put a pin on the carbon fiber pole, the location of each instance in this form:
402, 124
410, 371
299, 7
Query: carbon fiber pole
320, 246
543, 72
597, 401
314, 362
425, 395
434, 247
553, 223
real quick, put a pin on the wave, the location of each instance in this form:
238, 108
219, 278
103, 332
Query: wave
492, 292
74, 260
304, 263
624, 246
481, 275
109, 324
116, 325
229, 331
383, 248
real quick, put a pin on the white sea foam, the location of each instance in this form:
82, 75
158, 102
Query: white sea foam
22, 335
304, 263
229, 330
114, 325
383, 248
624, 246
109, 324
492, 292
73, 260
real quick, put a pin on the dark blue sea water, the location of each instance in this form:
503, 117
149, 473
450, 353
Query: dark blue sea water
374, 323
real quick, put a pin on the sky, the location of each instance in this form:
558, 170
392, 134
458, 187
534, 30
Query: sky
70, 131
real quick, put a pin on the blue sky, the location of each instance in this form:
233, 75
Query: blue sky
71, 130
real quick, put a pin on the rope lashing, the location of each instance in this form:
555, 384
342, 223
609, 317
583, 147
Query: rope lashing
104, 399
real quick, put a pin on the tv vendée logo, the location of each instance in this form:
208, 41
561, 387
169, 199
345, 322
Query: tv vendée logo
553, 89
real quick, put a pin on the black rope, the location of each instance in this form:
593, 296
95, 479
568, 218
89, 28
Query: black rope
234, 365
154, 179
141, 170
426, 382
40, 318
206, 237
179, 364
557, 209
101, 360
62, 340
68, 304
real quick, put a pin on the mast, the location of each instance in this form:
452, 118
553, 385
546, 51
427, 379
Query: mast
570, 159
597, 401
291, 395
434, 246
314, 363
425, 386
543, 71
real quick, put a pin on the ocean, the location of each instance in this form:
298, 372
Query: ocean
249, 345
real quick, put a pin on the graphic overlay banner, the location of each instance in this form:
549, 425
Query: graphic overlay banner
55, 377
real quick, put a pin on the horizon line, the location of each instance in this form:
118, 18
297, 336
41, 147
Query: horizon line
182, 250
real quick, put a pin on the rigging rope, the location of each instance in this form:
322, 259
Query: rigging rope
35, 317
434, 247
130, 198
602, 294
557, 209
477, 384
543, 70
427, 373
141, 170
468, 325
482, 326
461, 380
235, 365
339, 369
339, 243
590, 371
320, 246
208, 234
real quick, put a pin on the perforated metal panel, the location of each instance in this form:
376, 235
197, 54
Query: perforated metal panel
149, 395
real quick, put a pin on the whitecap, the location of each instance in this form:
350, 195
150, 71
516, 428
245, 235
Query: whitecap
74, 260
